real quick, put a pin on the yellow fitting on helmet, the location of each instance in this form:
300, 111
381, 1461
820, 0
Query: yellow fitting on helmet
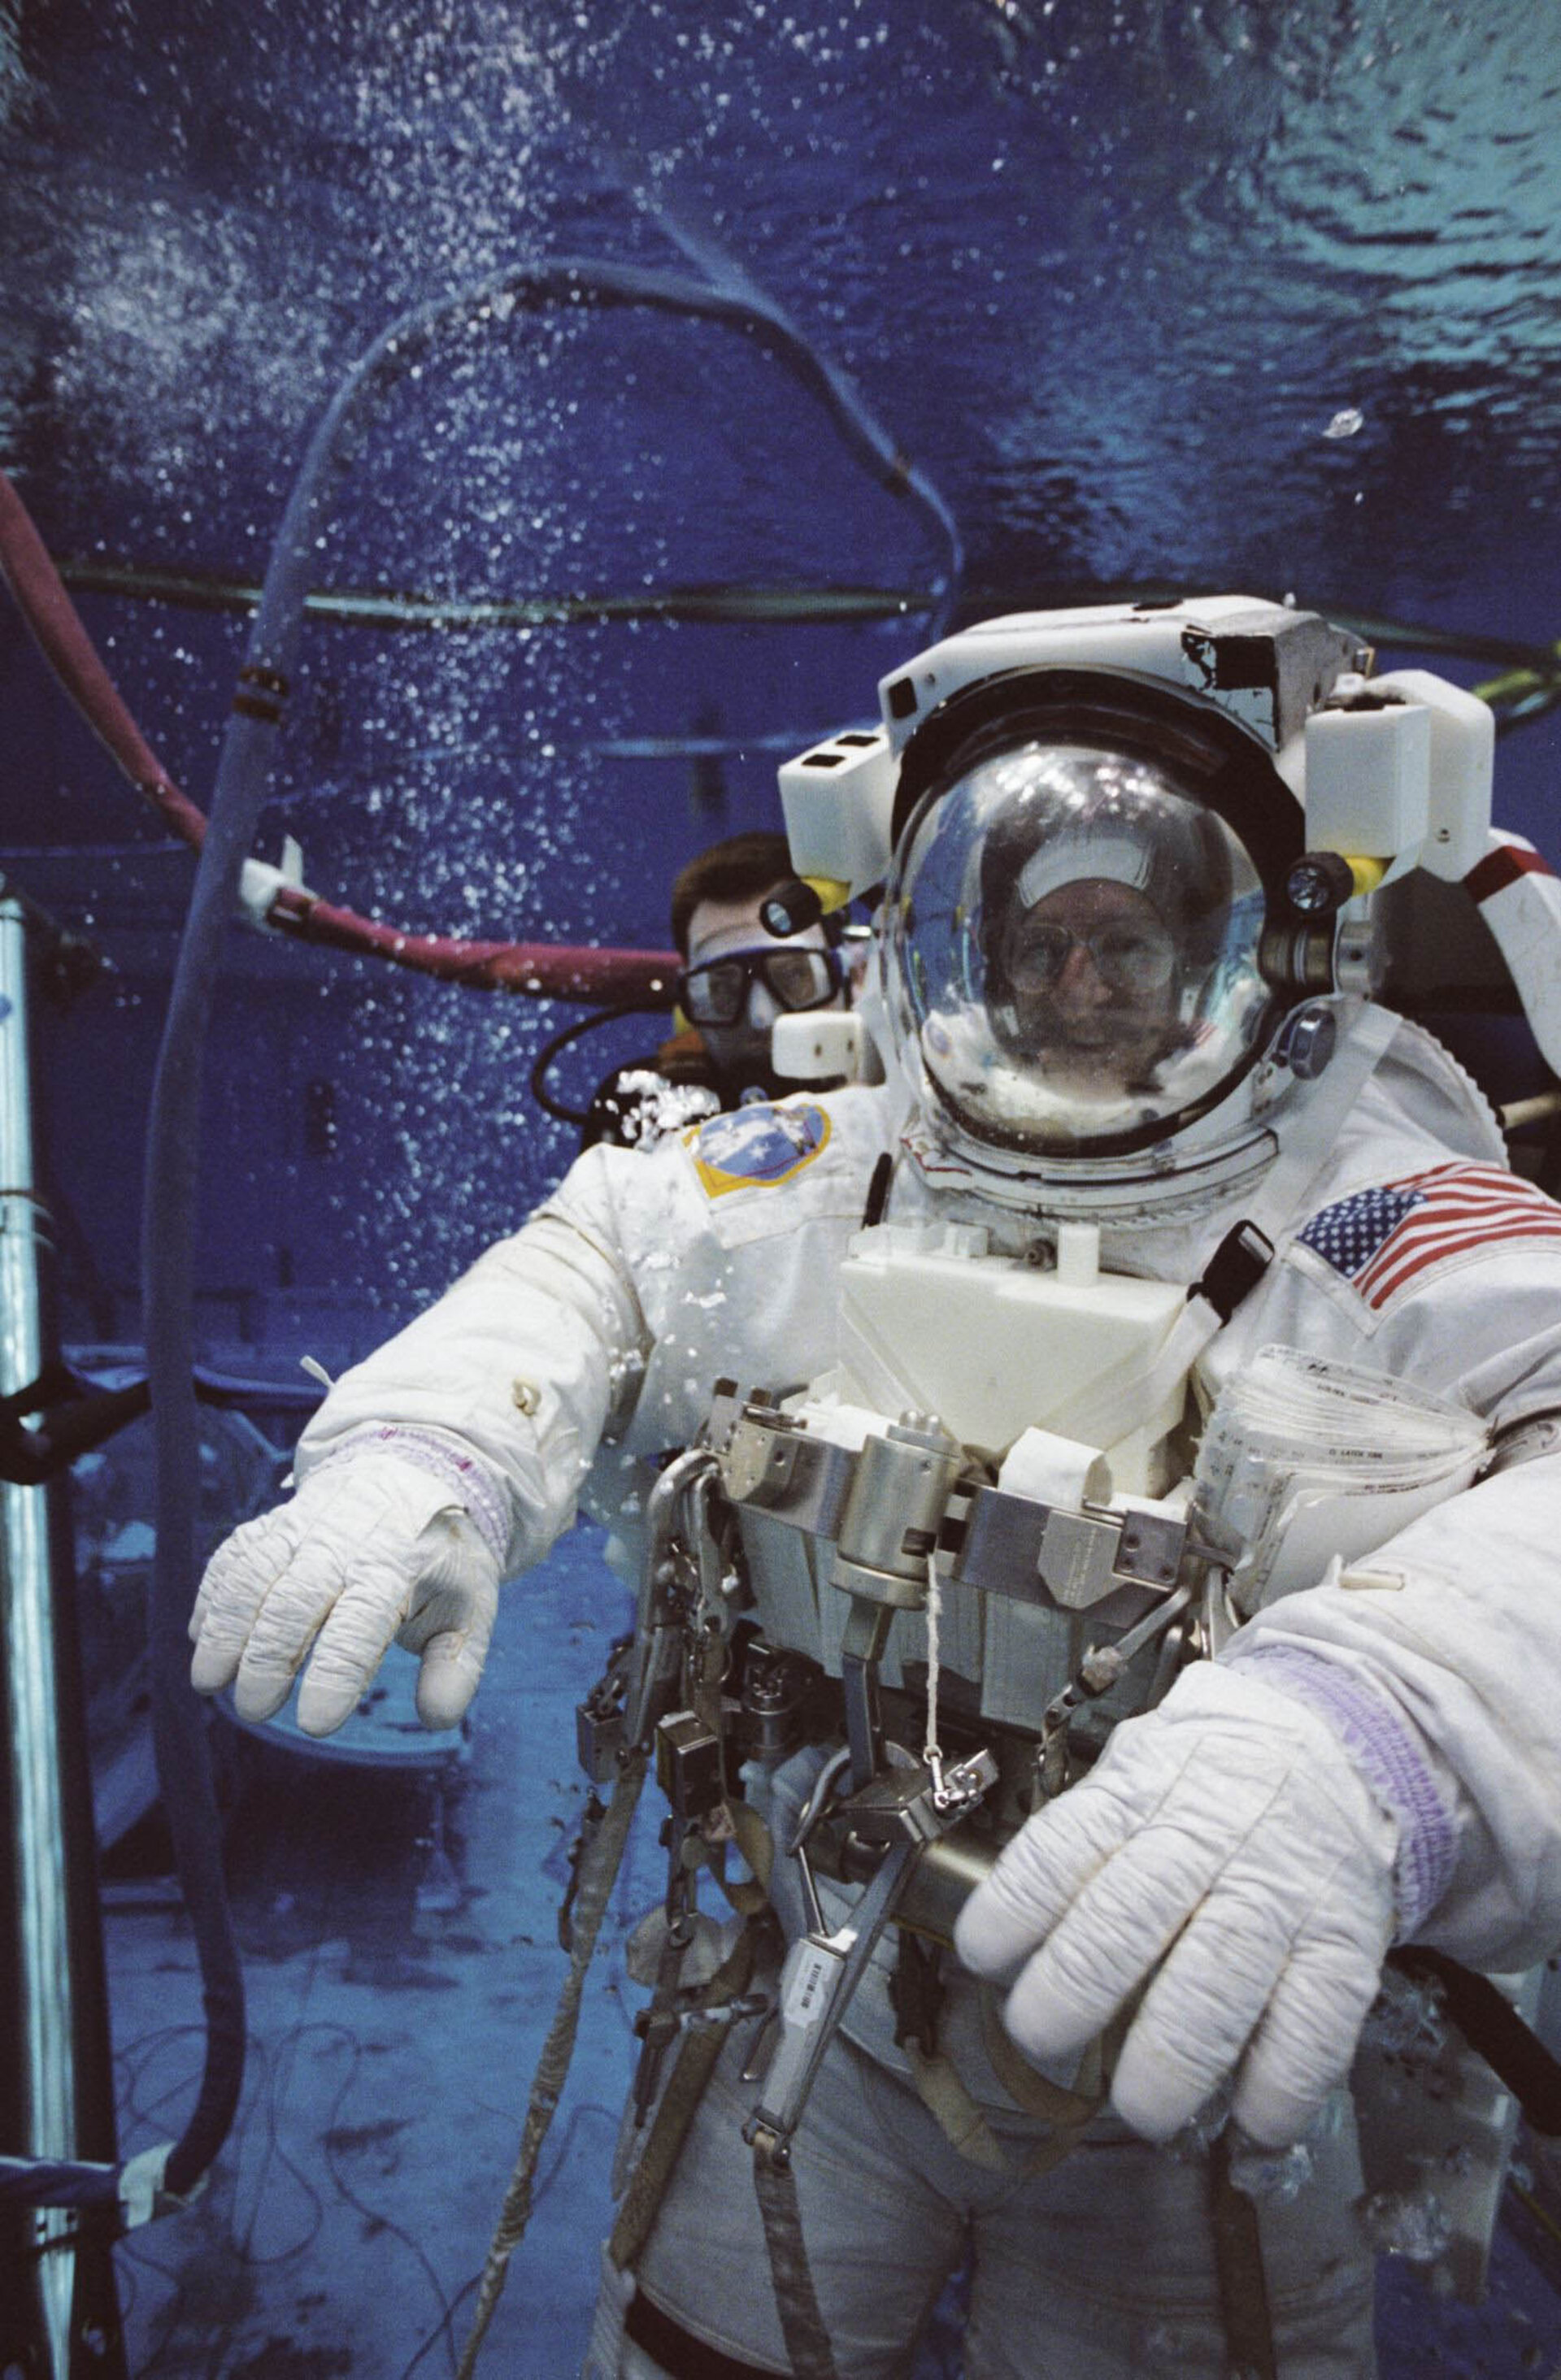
833, 892
1367, 873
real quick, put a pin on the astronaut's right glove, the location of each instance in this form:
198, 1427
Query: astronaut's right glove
395, 1538
1234, 1851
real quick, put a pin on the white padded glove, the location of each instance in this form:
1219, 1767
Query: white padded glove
1226, 1846
372, 1547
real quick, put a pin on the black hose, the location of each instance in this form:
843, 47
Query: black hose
556, 1046
178, 1717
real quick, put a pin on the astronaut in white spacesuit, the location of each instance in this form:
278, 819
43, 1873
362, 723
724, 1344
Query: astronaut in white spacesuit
1146, 1137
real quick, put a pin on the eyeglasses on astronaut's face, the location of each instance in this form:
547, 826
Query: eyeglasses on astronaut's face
1128, 956
716, 992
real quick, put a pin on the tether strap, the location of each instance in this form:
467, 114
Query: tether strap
595, 1876
1243, 2286
697, 2057
807, 2341
1032, 2091
959, 2116
751, 1836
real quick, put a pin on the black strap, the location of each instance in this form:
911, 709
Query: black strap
1235, 1270
917, 1993
1494, 2028
878, 1191
678, 2353
1242, 2284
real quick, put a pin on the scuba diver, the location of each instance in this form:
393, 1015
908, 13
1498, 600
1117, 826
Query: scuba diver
1085, 1754
733, 982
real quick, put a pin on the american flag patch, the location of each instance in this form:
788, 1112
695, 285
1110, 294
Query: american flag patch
1382, 1239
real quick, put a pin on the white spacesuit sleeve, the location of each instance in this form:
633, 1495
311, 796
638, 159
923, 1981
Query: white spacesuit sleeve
1455, 1626
511, 1376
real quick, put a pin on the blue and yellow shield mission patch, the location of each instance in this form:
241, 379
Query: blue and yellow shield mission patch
756, 1146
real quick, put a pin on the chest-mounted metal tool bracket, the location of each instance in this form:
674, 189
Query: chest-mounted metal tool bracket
906, 1493
910, 1495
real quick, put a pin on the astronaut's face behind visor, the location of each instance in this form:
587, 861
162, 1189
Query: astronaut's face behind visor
1092, 972
1071, 957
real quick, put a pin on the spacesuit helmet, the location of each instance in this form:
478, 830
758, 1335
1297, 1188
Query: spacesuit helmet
1075, 920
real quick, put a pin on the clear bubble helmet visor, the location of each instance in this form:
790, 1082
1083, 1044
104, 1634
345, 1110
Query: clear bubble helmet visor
1071, 950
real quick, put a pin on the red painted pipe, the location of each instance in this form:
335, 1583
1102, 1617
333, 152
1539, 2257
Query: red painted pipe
545, 970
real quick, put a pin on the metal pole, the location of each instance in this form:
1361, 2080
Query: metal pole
50, 1964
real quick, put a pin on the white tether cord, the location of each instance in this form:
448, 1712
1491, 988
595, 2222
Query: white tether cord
932, 1751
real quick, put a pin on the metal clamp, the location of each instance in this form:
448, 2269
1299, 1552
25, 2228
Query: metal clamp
666, 1599
599, 1720
1045, 1553
823, 1968
1097, 1673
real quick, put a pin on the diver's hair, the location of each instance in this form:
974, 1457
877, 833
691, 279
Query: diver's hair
738, 870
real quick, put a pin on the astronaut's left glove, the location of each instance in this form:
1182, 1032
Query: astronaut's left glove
1236, 1851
